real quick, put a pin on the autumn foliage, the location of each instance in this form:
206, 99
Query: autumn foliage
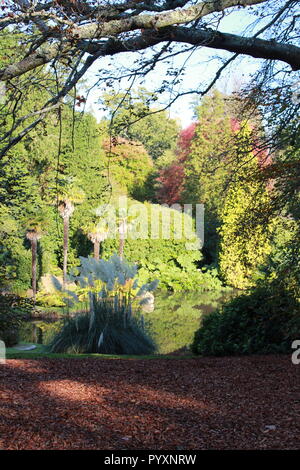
171, 179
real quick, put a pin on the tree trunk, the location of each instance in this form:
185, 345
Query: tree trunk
33, 267
66, 244
97, 250
121, 247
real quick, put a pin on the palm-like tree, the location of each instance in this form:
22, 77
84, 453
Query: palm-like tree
33, 233
69, 193
124, 223
97, 232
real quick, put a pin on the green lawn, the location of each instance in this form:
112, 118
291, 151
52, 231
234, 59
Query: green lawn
41, 352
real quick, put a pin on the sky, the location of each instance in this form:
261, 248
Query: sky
201, 69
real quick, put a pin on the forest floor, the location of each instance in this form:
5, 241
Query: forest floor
168, 404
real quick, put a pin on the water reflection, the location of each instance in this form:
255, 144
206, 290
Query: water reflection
172, 323
176, 317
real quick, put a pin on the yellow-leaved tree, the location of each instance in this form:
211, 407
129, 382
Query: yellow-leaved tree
243, 246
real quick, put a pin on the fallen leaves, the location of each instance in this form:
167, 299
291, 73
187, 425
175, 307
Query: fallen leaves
201, 403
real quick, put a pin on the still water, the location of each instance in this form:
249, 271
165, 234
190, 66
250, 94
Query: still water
172, 324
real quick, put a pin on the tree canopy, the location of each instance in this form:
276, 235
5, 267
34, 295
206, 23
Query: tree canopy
72, 35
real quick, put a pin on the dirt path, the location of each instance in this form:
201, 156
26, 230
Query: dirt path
203, 403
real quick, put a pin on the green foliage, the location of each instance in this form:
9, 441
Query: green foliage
28, 186
46, 299
167, 255
14, 260
13, 311
28, 180
15, 266
19, 197
9, 51
282, 267
8, 225
68, 190
264, 321
166, 159
205, 167
175, 277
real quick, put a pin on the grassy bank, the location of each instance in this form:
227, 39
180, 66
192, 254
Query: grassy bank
41, 352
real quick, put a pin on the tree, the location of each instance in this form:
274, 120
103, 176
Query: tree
171, 177
209, 162
171, 184
134, 119
29, 176
8, 231
97, 232
31, 169
203, 165
244, 248
125, 223
129, 166
69, 193
33, 234
209, 153
77, 33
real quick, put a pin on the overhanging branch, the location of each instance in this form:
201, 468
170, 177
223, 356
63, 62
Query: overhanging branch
254, 47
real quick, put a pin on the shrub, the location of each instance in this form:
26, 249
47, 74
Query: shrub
181, 278
13, 311
169, 260
263, 321
49, 299
15, 266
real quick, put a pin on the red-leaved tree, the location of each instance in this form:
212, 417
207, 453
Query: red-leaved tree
172, 178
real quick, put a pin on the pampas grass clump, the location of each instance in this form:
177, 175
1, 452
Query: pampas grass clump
106, 330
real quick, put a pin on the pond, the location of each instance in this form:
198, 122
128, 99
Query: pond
172, 323
176, 317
